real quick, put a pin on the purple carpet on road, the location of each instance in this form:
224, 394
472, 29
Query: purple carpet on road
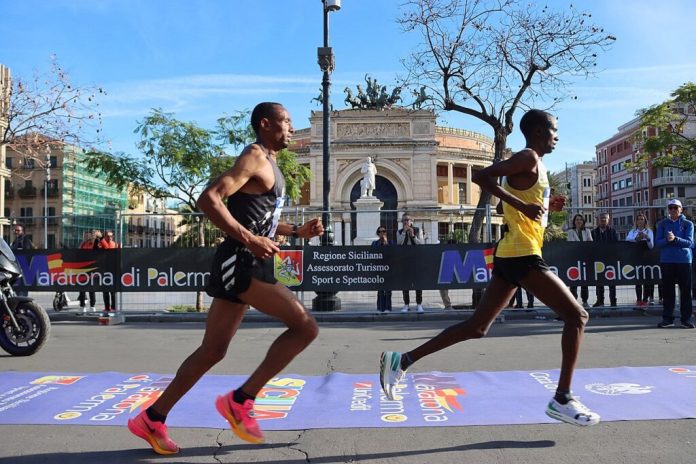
294, 402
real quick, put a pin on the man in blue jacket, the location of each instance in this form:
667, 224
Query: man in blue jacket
675, 237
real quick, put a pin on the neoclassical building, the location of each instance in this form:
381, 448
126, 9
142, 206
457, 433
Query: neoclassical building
421, 168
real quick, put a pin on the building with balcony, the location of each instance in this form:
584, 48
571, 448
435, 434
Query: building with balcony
420, 167
578, 181
58, 195
148, 223
626, 192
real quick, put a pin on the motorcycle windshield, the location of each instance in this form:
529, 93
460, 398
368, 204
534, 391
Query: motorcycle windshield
6, 250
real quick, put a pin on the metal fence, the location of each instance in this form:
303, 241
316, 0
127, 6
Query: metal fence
348, 227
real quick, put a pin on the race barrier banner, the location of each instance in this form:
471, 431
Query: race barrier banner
333, 269
296, 402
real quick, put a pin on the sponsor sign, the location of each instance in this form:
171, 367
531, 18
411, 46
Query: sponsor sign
333, 269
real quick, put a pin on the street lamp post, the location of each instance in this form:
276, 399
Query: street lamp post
48, 179
326, 301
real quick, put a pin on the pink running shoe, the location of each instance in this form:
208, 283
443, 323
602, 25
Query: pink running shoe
155, 433
240, 417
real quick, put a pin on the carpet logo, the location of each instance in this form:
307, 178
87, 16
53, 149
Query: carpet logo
615, 389
683, 371
438, 396
136, 392
277, 397
287, 267
56, 380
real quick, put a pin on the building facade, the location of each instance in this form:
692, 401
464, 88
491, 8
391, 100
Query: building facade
578, 181
624, 192
421, 167
5, 87
58, 197
148, 223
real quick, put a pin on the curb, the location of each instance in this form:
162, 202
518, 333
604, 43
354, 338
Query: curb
360, 316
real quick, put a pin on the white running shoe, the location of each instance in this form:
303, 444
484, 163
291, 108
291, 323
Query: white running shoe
574, 412
390, 372
405, 309
92, 309
419, 309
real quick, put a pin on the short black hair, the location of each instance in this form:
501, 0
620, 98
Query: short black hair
262, 110
582, 218
533, 119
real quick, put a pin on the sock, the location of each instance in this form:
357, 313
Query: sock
238, 396
563, 396
154, 416
406, 361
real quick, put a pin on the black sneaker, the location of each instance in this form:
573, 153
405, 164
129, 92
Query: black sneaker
688, 325
665, 324
598, 304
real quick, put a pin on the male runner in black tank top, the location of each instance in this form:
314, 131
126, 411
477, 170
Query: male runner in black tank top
254, 188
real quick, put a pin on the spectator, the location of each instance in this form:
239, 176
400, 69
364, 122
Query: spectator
675, 237
410, 235
642, 233
518, 299
604, 233
580, 234
87, 244
108, 243
384, 297
21, 242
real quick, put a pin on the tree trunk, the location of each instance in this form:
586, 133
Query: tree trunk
499, 145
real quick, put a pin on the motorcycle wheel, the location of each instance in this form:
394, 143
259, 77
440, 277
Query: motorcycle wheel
34, 330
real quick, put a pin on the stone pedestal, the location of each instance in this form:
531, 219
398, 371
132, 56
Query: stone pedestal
367, 219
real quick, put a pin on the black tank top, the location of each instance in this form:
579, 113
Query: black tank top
259, 213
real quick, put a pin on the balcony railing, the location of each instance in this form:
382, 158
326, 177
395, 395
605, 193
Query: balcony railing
672, 180
52, 192
27, 192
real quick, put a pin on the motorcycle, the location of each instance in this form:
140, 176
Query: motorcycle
25, 326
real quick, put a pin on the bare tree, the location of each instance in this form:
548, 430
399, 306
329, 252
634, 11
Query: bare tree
486, 58
48, 109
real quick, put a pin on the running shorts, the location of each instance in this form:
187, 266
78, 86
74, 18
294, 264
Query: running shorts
513, 270
233, 268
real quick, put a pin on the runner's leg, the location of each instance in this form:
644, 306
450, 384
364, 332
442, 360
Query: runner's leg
223, 321
279, 302
553, 293
495, 299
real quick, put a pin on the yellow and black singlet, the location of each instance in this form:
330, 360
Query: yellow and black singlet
525, 236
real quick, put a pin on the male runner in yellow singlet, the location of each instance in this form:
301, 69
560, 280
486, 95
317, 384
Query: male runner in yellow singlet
527, 199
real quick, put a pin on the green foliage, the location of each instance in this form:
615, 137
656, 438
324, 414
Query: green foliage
671, 145
554, 231
180, 158
183, 309
296, 174
458, 236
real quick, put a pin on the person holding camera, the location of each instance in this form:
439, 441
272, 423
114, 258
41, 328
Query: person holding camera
410, 235
641, 233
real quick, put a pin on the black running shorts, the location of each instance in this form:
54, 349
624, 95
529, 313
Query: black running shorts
515, 269
233, 268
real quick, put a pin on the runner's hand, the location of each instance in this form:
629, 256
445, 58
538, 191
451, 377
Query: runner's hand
311, 229
556, 202
262, 247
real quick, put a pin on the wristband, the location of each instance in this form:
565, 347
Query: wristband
294, 231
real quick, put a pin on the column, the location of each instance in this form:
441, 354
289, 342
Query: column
450, 182
468, 185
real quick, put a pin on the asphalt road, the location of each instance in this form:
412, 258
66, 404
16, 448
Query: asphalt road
354, 348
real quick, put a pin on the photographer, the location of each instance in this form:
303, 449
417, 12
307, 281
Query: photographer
410, 235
